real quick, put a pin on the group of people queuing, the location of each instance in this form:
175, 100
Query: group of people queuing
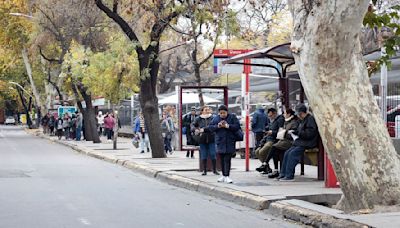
68, 125
283, 138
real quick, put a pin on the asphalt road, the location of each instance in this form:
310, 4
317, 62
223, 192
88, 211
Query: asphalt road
43, 184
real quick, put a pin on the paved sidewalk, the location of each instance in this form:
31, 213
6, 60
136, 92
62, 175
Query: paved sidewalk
251, 189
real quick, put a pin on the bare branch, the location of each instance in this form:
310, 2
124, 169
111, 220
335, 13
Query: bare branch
47, 58
122, 23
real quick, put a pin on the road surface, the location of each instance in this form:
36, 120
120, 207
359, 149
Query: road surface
43, 184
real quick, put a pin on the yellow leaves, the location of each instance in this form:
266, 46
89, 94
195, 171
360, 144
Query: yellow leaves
281, 29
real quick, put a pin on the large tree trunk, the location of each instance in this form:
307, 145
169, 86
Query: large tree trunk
89, 115
149, 101
198, 80
332, 70
32, 82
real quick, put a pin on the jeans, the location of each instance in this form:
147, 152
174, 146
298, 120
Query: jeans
78, 133
290, 160
144, 140
226, 163
207, 150
167, 144
109, 133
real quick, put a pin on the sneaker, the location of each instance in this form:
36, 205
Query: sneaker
228, 180
148, 150
221, 179
274, 174
285, 179
142, 152
261, 168
279, 177
216, 173
204, 173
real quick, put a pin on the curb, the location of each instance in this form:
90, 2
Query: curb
278, 208
311, 217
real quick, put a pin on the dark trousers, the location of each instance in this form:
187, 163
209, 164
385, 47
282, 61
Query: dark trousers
274, 154
167, 144
290, 160
226, 163
191, 152
109, 133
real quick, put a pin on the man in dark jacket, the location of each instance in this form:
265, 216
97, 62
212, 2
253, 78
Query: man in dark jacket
258, 124
276, 121
187, 123
305, 137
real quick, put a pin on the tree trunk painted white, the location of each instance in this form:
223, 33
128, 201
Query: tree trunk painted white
32, 82
328, 54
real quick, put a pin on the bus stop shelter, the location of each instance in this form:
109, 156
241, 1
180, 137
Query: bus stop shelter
282, 55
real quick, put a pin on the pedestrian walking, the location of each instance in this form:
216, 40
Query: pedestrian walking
226, 127
79, 123
141, 130
206, 139
167, 131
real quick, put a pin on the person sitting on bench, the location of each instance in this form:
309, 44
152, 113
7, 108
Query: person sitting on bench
276, 122
285, 141
305, 137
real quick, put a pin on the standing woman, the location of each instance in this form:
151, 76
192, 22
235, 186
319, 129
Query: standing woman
206, 139
225, 126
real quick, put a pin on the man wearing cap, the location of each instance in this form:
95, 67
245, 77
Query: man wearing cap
305, 137
187, 123
258, 124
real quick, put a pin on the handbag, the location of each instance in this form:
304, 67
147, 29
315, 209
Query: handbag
281, 133
239, 136
135, 141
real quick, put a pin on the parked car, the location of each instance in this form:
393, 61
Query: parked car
10, 120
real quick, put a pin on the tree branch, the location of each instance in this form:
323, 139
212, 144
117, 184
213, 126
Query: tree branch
122, 23
115, 6
211, 53
47, 58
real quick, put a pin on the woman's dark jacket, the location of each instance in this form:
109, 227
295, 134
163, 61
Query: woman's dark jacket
207, 136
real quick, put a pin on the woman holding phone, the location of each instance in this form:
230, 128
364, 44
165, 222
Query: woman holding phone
225, 125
